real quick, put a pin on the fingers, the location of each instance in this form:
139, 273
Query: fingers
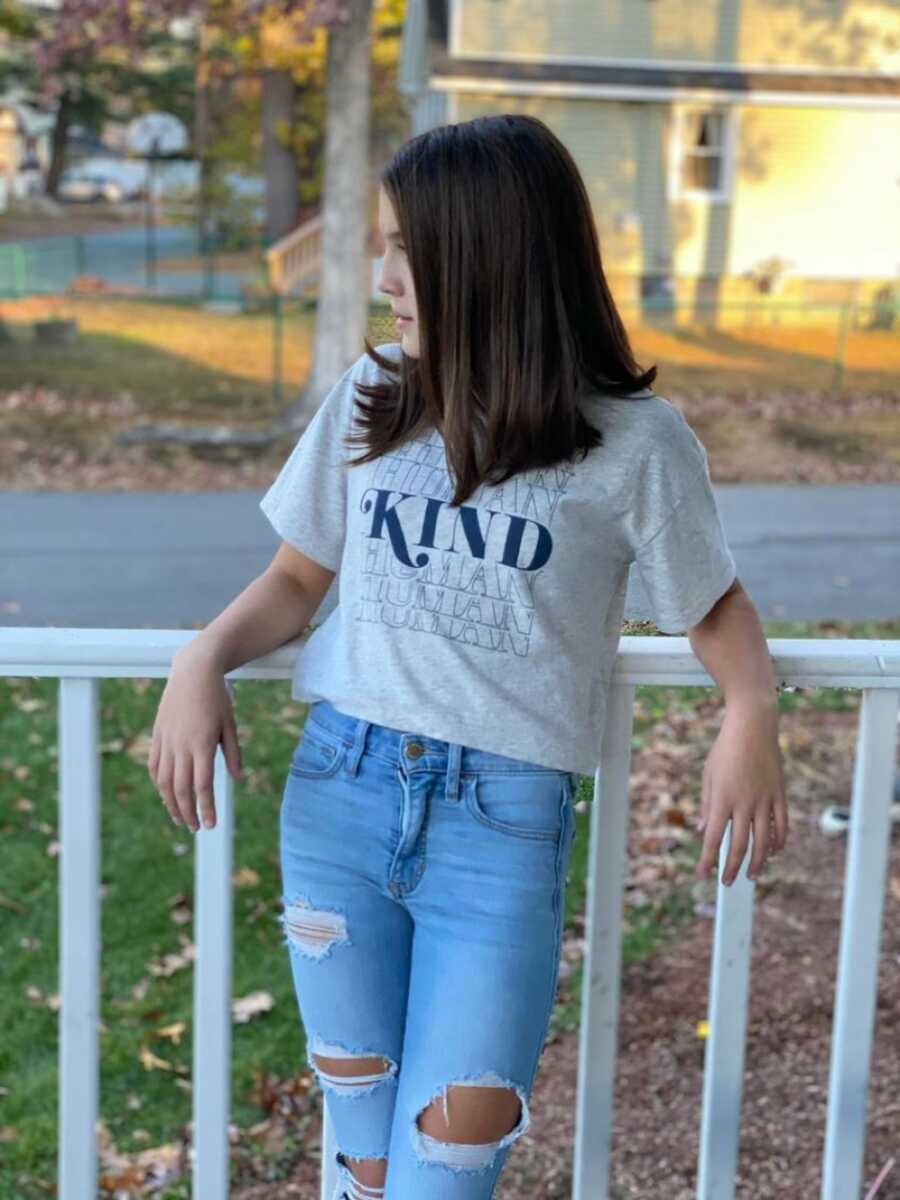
163, 782
769, 829
184, 790
231, 749
740, 839
195, 717
714, 832
174, 782
704, 798
761, 841
185, 785
203, 785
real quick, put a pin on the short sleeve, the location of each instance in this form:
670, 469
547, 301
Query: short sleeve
307, 502
686, 564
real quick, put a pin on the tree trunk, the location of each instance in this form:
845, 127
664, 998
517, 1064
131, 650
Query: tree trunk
279, 162
59, 144
344, 281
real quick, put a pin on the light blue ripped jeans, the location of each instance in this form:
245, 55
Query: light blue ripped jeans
424, 886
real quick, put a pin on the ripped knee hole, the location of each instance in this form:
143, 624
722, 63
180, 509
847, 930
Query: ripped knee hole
313, 931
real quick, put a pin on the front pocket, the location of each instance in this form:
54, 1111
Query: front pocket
317, 755
527, 806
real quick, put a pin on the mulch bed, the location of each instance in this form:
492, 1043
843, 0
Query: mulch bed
68, 443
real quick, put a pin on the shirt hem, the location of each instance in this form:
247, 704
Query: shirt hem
462, 735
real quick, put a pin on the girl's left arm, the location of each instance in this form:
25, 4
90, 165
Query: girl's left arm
743, 777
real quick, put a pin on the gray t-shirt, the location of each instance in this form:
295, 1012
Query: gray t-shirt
496, 624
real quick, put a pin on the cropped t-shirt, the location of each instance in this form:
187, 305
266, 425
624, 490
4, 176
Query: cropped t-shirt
495, 624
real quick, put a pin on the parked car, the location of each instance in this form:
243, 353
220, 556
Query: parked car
82, 187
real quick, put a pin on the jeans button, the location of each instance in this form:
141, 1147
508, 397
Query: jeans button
415, 750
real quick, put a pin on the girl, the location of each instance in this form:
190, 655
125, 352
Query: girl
472, 565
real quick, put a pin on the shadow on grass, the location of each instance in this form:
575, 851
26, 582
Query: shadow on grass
778, 366
103, 365
721, 342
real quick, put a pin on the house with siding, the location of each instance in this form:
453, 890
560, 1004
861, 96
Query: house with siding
733, 149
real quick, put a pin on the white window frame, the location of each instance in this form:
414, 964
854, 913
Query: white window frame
678, 152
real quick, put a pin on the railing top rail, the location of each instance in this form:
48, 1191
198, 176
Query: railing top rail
105, 653
307, 229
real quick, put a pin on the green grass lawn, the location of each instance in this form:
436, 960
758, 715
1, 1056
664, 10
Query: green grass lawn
177, 359
147, 876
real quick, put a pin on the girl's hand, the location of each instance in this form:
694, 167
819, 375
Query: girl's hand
195, 714
743, 781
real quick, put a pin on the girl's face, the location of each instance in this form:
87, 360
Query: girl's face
396, 277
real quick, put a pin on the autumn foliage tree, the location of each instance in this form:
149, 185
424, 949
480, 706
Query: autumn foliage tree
114, 53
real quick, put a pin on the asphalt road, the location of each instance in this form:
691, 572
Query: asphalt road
174, 560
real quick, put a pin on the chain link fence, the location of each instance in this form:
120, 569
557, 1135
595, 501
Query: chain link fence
191, 327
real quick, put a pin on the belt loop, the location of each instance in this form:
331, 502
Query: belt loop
356, 751
454, 765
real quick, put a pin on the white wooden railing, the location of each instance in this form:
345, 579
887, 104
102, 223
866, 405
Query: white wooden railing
294, 260
82, 657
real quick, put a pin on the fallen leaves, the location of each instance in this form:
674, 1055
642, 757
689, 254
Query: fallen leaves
176, 961
140, 1174
51, 1000
251, 1005
152, 1062
138, 749
173, 1031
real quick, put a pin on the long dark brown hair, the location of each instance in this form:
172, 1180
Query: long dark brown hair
515, 317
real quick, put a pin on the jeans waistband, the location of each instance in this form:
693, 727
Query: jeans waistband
436, 754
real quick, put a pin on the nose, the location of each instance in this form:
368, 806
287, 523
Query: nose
388, 282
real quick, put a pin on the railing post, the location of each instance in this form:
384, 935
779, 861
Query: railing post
861, 919
79, 933
213, 935
607, 854
723, 1067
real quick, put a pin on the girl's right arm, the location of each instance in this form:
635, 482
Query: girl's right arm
195, 712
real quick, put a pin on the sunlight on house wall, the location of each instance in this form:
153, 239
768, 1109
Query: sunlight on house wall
802, 176
603, 139
806, 180
815, 33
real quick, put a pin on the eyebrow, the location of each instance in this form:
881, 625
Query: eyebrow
394, 233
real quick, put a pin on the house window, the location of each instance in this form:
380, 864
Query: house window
704, 138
